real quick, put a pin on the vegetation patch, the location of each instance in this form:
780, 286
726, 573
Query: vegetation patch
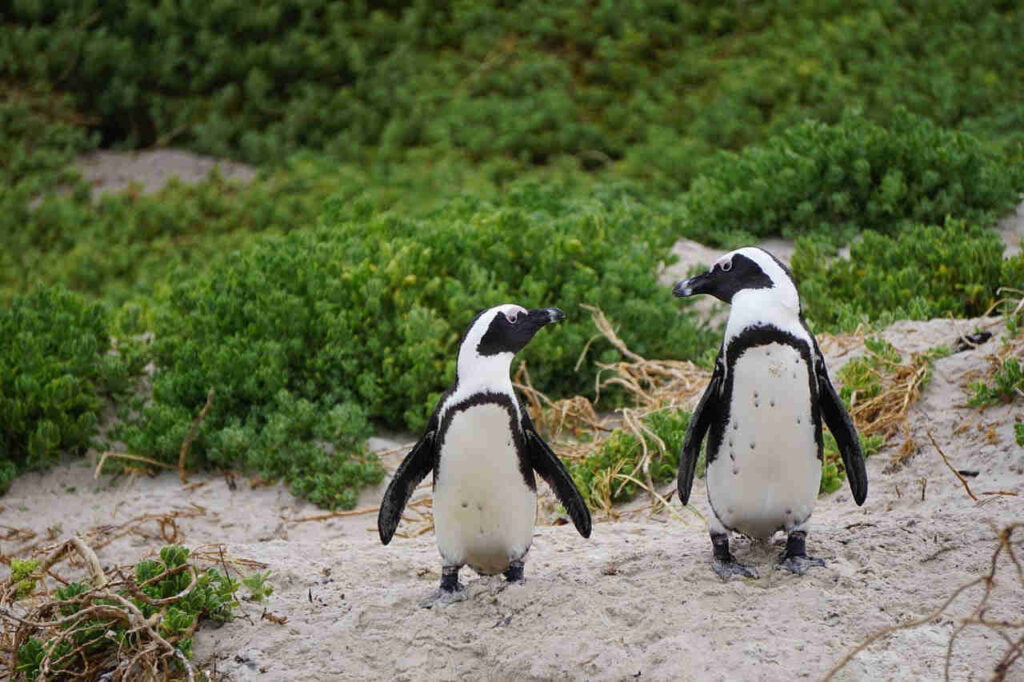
923, 272
626, 461
58, 365
132, 622
837, 180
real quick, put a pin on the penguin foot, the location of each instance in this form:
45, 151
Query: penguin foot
442, 597
725, 563
799, 563
514, 574
727, 570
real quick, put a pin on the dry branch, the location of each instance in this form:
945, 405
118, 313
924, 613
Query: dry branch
192, 436
1010, 631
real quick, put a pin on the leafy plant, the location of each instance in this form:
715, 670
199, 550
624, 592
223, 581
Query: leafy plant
656, 84
601, 476
258, 585
923, 272
21, 577
305, 336
1007, 385
57, 364
96, 624
836, 180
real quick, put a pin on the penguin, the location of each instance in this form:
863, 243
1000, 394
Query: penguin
483, 451
762, 413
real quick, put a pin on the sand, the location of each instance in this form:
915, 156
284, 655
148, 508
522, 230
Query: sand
113, 171
636, 601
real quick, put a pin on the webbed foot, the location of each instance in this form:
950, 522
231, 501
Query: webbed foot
795, 559
799, 564
514, 573
450, 591
442, 597
727, 570
725, 564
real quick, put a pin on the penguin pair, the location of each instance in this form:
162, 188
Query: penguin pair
763, 409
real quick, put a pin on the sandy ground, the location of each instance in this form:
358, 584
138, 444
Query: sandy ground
151, 169
636, 601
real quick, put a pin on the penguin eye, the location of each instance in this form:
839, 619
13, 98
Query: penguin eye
512, 316
727, 266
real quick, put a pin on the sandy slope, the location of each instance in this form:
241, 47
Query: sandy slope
637, 600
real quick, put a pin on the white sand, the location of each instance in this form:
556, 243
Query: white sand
112, 171
637, 600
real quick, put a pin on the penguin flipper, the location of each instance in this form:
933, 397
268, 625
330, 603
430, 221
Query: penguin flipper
547, 464
700, 421
413, 469
839, 423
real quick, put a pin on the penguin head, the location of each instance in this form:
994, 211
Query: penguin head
751, 272
495, 335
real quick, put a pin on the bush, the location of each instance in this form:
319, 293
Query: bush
530, 80
924, 272
837, 180
1007, 385
306, 335
600, 476
57, 365
90, 630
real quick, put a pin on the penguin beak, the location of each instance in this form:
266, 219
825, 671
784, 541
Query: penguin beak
692, 286
543, 316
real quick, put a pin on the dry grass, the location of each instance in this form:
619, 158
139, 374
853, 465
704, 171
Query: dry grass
143, 653
650, 385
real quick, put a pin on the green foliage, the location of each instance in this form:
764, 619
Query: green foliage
654, 82
836, 180
863, 375
435, 124
294, 332
1007, 385
106, 638
21, 577
923, 272
259, 589
1018, 433
832, 472
56, 366
600, 476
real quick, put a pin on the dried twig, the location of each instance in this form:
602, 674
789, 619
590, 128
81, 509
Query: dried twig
1002, 628
192, 436
124, 455
963, 481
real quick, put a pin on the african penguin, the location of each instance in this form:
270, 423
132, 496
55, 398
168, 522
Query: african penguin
483, 451
762, 412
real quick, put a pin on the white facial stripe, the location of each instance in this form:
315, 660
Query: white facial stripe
511, 311
768, 264
779, 305
477, 372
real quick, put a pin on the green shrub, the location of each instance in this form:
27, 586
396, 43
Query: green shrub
923, 272
530, 80
600, 475
104, 641
836, 180
56, 367
1007, 385
305, 336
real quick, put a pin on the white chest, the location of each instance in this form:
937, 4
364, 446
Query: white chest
766, 472
484, 511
